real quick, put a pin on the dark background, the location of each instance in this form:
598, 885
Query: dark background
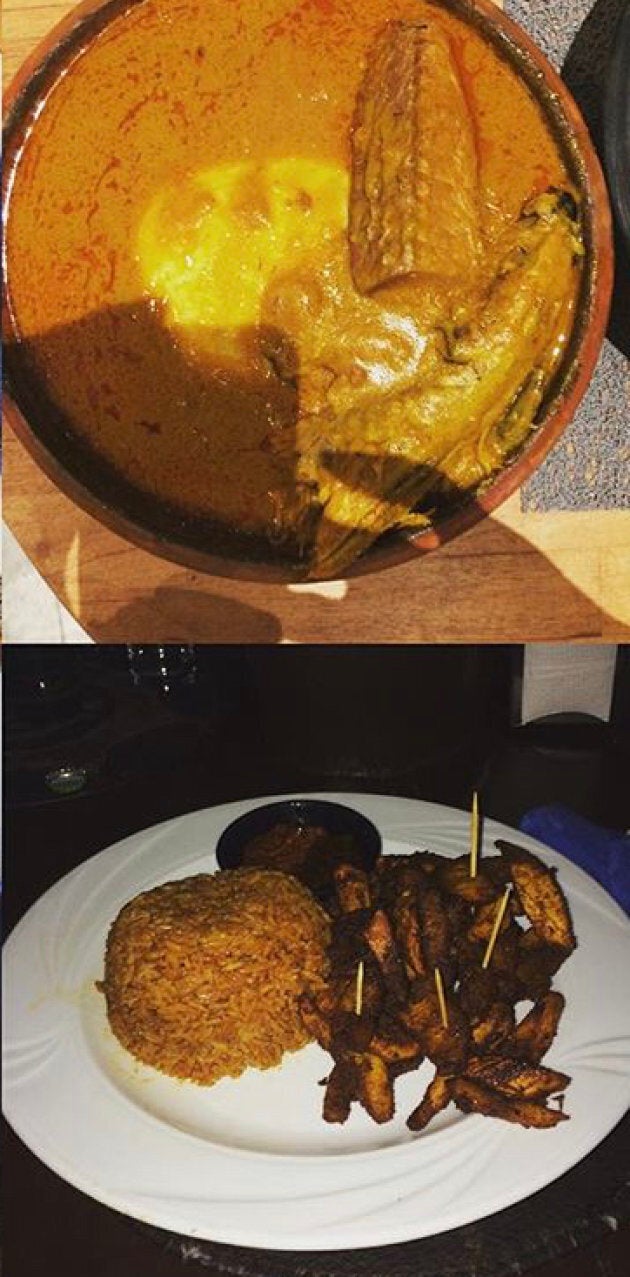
427, 722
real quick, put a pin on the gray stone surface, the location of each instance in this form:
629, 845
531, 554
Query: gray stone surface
590, 467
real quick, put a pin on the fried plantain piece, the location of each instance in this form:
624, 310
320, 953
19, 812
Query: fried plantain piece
483, 921
436, 1097
340, 1091
516, 1077
474, 1097
379, 937
352, 888
446, 1046
503, 963
495, 1029
536, 967
541, 896
395, 876
459, 913
315, 1020
374, 1086
454, 877
340, 996
537, 1030
435, 932
427, 861
347, 943
393, 1042
497, 868
408, 933
410, 212
349, 1033
477, 990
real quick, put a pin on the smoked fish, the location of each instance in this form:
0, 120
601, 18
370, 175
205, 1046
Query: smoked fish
414, 206
481, 384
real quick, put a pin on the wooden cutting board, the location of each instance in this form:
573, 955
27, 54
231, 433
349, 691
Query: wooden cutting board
514, 578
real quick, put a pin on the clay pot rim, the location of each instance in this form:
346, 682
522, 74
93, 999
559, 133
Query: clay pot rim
76, 31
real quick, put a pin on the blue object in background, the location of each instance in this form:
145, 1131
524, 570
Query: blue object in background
603, 853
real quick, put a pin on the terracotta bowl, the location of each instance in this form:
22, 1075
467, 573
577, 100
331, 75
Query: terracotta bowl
101, 491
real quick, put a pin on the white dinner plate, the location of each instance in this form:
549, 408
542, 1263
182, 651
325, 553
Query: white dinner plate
250, 1161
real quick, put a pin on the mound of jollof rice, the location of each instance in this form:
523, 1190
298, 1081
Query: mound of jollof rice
202, 976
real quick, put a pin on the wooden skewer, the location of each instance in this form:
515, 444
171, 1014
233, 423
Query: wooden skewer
441, 999
474, 835
496, 925
358, 1001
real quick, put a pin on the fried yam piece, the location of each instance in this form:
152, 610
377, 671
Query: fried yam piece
414, 197
541, 896
352, 888
537, 1030
516, 1077
436, 1097
380, 939
474, 1097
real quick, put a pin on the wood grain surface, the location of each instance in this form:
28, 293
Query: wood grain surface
515, 577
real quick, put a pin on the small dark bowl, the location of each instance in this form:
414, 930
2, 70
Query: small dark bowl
301, 812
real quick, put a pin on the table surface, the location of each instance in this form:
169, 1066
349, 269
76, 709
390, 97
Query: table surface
531, 576
227, 759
